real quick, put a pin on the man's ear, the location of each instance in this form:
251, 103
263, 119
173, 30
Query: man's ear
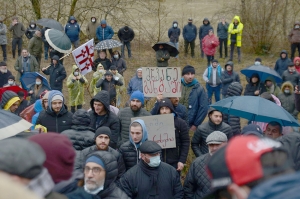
239, 192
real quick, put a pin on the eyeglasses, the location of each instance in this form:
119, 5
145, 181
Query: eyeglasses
95, 170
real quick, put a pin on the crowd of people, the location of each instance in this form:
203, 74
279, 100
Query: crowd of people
74, 153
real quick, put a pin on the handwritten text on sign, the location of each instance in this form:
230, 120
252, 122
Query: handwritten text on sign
160, 129
165, 80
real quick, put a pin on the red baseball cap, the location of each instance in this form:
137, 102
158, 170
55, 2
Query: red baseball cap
239, 162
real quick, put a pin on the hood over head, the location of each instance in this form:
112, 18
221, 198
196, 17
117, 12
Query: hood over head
103, 21
206, 19
229, 63
139, 69
74, 67
94, 18
285, 52
103, 97
289, 84
32, 22
166, 102
175, 22
237, 18
50, 97
145, 133
296, 23
72, 18
255, 75
296, 59
234, 89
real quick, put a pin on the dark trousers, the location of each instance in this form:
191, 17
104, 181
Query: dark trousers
15, 42
38, 58
209, 59
294, 46
4, 52
201, 50
128, 46
232, 51
223, 42
186, 46
46, 50
73, 108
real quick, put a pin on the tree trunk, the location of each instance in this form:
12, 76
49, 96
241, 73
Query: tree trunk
73, 7
36, 5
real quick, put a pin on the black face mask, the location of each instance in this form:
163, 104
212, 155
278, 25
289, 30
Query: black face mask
190, 23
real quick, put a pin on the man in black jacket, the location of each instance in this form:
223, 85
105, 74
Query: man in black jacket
57, 74
197, 181
102, 116
100, 173
176, 156
215, 123
151, 178
56, 118
102, 139
126, 35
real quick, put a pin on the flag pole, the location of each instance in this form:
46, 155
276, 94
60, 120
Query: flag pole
67, 55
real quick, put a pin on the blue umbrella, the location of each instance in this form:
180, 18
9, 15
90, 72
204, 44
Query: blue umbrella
28, 79
263, 72
255, 109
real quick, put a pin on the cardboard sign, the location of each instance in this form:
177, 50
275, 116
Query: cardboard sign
165, 80
160, 129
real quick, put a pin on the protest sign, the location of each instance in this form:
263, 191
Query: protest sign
160, 129
165, 80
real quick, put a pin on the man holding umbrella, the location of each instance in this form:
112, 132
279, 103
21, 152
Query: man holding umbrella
162, 56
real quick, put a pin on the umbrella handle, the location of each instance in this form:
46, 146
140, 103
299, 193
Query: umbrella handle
67, 55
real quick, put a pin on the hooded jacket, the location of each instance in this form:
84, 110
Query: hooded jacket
96, 77
33, 64
135, 84
72, 30
204, 29
3, 31
228, 77
106, 63
104, 33
125, 116
55, 122
179, 154
297, 67
251, 88
80, 134
274, 89
110, 191
109, 86
238, 31
222, 30
37, 91
189, 32
126, 36
294, 35
37, 109
120, 63
8, 99
57, 75
76, 88
282, 63
110, 119
4, 78
198, 142
293, 77
288, 99
234, 89
91, 29
162, 57
130, 150
35, 46
210, 44
174, 33
31, 30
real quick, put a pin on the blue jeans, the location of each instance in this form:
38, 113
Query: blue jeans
128, 46
176, 44
213, 90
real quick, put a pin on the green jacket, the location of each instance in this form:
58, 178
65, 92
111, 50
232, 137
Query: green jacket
162, 57
18, 30
34, 66
35, 46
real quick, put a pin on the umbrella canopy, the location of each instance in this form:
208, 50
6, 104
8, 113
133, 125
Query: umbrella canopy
255, 109
15, 89
263, 72
58, 40
168, 46
28, 79
11, 124
50, 23
108, 44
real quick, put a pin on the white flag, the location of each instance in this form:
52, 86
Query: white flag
84, 56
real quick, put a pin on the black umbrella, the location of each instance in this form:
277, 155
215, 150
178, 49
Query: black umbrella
108, 44
11, 124
58, 40
50, 23
168, 46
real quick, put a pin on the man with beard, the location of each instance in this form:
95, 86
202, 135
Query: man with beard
102, 139
4, 74
135, 110
100, 173
197, 182
215, 123
102, 116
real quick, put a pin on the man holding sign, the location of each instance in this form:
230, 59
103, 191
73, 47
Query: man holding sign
175, 157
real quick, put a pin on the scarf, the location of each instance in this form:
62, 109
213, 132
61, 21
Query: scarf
195, 81
41, 185
26, 64
152, 172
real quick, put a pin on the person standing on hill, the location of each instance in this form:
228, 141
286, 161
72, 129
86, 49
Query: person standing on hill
126, 35
3, 39
35, 46
72, 30
18, 31
32, 28
189, 35
105, 32
91, 29
294, 38
173, 34
222, 32
209, 45
203, 31
235, 31
282, 63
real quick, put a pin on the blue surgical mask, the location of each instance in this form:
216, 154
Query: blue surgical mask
154, 161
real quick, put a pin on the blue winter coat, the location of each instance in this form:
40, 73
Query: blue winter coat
72, 30
282, 64
37, 108
174, 33
222, 30
189, 32
104, 33
204, 29
135, 84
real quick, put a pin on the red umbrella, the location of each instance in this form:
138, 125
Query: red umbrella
15, 89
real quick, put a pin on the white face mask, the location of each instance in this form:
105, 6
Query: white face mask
257, 63
93, 20
94, 192
32, 26
38, 83
10, 82
287, 91
101, 70
3, 70
297, 26
154, 161
76, 73
116, 56
175, 25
